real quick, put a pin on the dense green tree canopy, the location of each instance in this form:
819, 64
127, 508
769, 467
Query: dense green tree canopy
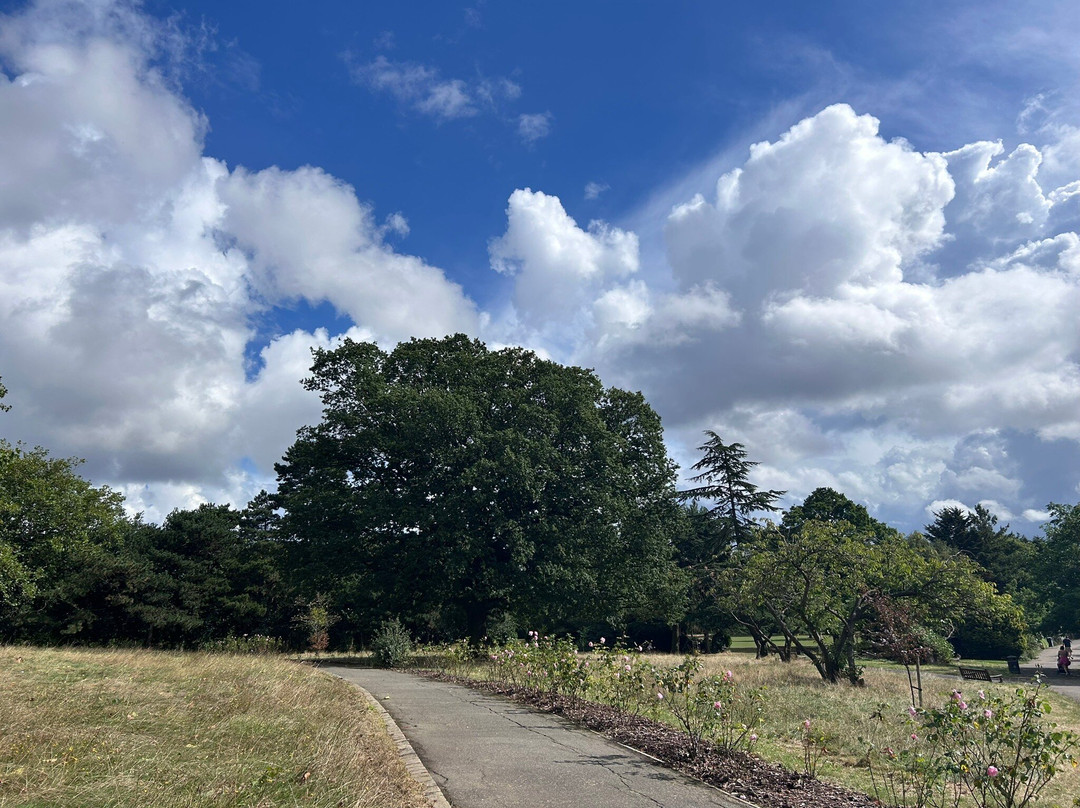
1007, 559
51, 522
450, 485
1059, 568
829, 505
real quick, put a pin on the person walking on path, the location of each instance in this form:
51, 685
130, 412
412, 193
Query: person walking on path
1063, 661
1067, 642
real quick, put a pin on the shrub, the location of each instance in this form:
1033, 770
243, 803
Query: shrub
247, 644
938, 648
710, 707
541, 662
392, 644
316, 619
993, 632
998, 752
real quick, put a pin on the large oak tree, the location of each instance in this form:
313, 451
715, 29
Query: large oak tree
452, 485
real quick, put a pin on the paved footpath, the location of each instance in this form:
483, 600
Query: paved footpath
485, 751
1047, 662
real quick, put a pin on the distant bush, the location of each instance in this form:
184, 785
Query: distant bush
996, 631
392, 644
247, 644
939, 649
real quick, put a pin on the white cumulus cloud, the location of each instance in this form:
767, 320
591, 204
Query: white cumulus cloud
134, 268
898, 321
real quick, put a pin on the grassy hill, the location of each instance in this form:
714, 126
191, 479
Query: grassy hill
138, 728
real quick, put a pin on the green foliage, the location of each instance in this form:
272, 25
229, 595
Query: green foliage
998, 752
1004, 558
710, 537
551, 664
829, 505
316, 620
940, 649
392, 644
620, 677
992, 629
1059, 569
814, 747
824, 580
453, 485
725, 472
709, 707
201, 576
896, 634
243, 645
53, 524
704, 553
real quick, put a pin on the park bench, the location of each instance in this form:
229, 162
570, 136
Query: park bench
978, 674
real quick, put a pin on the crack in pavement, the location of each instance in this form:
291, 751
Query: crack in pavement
611, 767
632, 790
489, 751
480, 702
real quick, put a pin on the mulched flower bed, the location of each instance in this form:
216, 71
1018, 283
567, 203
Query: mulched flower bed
764, 784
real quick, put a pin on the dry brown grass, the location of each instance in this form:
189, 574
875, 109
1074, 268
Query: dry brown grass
795, 693
138, 728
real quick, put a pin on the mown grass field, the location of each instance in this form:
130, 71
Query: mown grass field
122, 729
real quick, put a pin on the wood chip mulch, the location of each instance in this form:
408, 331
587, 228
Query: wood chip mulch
764, 784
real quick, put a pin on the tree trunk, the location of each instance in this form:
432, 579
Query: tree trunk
476, 616
761, 643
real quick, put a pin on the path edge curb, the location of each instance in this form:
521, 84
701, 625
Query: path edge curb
413, 764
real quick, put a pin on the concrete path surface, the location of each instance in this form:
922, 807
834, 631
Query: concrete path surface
485, 751
1046, 662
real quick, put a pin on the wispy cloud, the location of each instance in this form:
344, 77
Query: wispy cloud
533, 127
423, 89
594, 189
416, 86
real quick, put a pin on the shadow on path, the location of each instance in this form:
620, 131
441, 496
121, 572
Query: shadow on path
1046, 664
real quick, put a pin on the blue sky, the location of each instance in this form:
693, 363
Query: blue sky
843, 234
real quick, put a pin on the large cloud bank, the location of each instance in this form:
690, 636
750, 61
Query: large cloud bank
132, 267
897, 324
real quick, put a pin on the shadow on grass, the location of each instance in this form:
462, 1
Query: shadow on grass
415, 662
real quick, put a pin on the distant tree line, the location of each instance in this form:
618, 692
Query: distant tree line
473, 493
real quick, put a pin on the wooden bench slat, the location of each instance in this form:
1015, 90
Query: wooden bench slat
978, 674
